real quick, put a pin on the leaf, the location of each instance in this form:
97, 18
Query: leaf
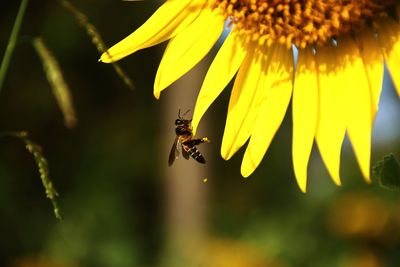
387, 172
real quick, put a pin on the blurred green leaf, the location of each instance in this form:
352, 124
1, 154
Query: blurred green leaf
387, 172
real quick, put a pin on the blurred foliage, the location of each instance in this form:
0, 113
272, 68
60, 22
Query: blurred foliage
387, 172
57, 82
12, 41
108, 169
96, 39
42, 166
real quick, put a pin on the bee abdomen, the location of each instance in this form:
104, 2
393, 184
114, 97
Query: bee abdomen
195, 154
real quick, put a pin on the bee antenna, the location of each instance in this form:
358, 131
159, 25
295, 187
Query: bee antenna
179, 114
186, 112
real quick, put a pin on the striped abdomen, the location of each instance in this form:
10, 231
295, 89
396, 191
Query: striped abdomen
194, 152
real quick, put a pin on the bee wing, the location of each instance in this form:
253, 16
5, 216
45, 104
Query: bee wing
175, 149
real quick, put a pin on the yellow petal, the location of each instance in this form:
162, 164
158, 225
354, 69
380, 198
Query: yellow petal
357, 97
373, 64
389, 40
167, 21
223, 68
273, 108
305, 114
187, 48
330, 129
244, 103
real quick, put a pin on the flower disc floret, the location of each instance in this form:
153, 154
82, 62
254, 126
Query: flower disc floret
300, 22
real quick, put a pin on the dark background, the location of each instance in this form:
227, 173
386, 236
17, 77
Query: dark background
110, 169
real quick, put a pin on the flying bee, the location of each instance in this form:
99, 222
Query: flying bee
184, 142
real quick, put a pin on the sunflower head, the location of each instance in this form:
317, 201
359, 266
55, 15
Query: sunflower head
334, 86
298, 22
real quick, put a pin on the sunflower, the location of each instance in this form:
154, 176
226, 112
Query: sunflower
334, 83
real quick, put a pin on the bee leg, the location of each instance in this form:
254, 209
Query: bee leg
205, 140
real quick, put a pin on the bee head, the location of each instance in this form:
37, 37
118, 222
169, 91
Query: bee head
181, 121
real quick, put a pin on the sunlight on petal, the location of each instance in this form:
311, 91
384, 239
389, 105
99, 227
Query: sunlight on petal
273, 108
188, 48
305, 114
330, 129
245, 99
171, 18
358, 97
389, 40
224, 66
374, 67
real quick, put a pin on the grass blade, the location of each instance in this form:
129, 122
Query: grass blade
57, 82
42, 165
12, 41
96, 39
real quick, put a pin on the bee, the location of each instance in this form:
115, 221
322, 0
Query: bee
184, 142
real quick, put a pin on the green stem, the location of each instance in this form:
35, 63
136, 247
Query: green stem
11, 42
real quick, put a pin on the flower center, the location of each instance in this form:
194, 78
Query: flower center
300, 22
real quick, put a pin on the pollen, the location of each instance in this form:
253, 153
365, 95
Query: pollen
300, 22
